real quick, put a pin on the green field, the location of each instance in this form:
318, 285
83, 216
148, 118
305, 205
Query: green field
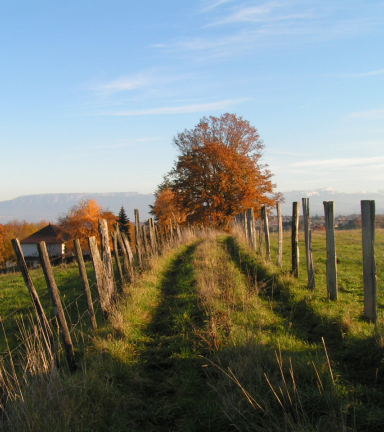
212, 338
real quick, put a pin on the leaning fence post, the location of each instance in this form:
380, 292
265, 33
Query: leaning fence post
308, 244
105, 300
84, 280
107, 259
295, 239
57, 306
138, 238
264, 216
329, 212
251, 227
117, 259
280, 236
369, 262
48, 335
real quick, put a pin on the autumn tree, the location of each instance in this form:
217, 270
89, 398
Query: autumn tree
15, 229
218, 173
166, 208
81, 221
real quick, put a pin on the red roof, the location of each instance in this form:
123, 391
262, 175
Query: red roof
51, 234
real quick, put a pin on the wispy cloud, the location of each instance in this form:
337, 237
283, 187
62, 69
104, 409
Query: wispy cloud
377, 114
248, 26
365, 74
341, 162
215, 5
122, 84
266, 12
138, 81
210, 106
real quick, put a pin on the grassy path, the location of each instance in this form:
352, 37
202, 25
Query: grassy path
171, 361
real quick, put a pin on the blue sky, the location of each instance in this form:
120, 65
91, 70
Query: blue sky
92, 92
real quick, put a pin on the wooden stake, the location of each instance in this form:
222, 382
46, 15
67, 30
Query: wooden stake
308, 244
369, 261
48, 335
126, 261
101, 279
295, 239
138, 238
57, 306
106, 257
329, 212
264, 216
117, 259
85, 283
280, 236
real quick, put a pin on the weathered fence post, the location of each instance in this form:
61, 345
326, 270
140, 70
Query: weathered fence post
295, 239
280, 236
329, 212
138, 238
264, 216
245, 225
308, 244
251, 227
107, 259
84, 281
101, 279
152, 236
48, 335
117, 259
126, 261
57, 306
144, 239
369, 262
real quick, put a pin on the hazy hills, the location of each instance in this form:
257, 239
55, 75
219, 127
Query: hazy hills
49, 206
345, 203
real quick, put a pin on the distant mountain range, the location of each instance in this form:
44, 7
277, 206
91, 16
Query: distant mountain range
345, 203
49, 207
33, 208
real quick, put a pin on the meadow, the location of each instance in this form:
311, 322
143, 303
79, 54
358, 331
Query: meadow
211, 338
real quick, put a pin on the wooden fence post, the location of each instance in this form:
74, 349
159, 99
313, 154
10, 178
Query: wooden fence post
48, 335
138, 238
329, 212
245, 225
308, 244
57, 306
126, 261
144, 239
117, 259
369, 262
295, 239
152, 236
251, 227
84, 281
264, 216
280, 236
107, 259
101, 282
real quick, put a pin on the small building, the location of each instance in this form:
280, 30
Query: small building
54, 238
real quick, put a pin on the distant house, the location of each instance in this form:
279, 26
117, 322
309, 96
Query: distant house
54, 238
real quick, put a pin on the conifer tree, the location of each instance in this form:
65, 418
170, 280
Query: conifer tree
124, 223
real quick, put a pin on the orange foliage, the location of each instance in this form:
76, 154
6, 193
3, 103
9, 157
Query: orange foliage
15, 229
218, 174
166, 208
82, 219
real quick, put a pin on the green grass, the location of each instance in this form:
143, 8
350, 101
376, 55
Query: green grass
212, 338
15, 301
